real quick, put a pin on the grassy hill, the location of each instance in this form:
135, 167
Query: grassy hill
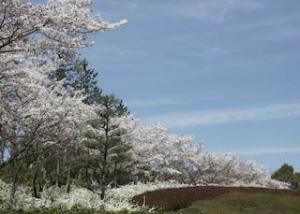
212, 199
247, 203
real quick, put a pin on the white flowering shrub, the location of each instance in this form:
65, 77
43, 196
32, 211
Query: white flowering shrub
128, 191
4, 193
23, 197
116, 199
274, 184
80, 197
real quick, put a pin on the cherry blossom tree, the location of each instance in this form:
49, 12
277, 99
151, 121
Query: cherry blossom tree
155, 151
34, 41
166, 156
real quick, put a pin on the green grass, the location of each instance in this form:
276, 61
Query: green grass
247, 203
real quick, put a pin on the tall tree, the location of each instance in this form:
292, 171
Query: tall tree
34, 41
80, 77
108, 155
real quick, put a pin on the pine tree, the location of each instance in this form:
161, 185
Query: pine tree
80, 77
285, 173
108, 155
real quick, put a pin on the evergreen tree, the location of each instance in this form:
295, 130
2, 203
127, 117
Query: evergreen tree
81, 78
296, 181
285, 173
108, 156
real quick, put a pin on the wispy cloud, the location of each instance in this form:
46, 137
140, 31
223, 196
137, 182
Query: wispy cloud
215, 10
268, 151
209, 52
200, 118
152, 103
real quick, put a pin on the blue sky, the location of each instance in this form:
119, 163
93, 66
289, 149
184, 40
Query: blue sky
223, 71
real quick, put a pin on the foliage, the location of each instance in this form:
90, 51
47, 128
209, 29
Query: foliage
296, 181
80, 77
39, 117
286, 174
161, 156
108, 157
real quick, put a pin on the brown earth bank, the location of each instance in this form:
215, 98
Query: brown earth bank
178, 198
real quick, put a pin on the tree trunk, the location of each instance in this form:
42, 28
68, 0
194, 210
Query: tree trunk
14, 185
104, 168
1, 152
69, 179
1, 147
114, 175
35, 189
104, 174
57, 171
103, 189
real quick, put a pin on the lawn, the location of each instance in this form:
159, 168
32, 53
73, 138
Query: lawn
238, 202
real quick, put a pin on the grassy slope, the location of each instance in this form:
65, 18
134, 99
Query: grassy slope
179, 198
237, 202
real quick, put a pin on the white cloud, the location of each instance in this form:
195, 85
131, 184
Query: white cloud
215, 10
151, 103
268, 151
200, 118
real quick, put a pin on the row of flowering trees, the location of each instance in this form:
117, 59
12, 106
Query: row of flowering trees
159, 155
58, 128
41, 120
